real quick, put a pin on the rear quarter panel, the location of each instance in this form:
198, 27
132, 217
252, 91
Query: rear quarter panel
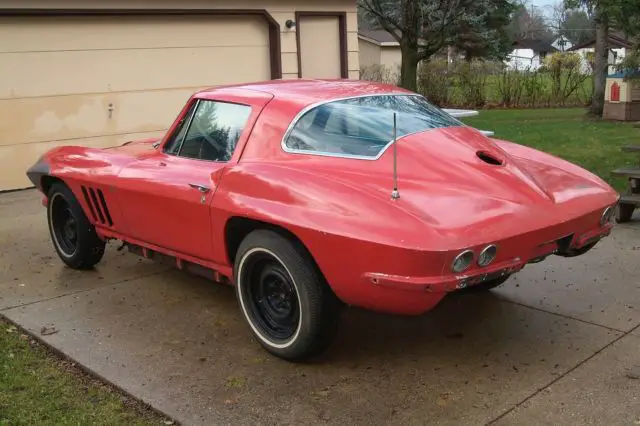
347, 231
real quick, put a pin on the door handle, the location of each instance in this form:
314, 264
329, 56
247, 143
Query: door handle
201, 188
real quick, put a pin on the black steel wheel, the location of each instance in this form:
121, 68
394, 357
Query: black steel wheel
64, 225
289, 307
73, 236
272, 296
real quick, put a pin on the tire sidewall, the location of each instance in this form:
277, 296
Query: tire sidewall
304, 279
85, 232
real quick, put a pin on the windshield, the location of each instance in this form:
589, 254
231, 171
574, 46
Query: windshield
363, 126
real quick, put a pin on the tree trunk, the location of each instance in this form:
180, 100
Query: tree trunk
409, 69
601, 67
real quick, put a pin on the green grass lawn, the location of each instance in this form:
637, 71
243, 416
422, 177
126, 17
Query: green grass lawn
566, 133
37, 388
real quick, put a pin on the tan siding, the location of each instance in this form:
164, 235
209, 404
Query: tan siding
288, 42
391, 57
290, 63
352, 41
354, 61
354, 75
369, 53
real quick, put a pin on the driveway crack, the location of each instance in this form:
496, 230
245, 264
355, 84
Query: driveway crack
81, 291
565, 374
564, 315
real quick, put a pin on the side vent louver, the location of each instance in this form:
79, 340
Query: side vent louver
97, 205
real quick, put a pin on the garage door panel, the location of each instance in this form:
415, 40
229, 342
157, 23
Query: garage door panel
59, 76
16, 159
130, 32
75, 72
61, 118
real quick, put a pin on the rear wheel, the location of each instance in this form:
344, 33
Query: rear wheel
73, 236
289, 307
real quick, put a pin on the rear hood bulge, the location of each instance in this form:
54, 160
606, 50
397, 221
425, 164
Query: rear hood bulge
448, 179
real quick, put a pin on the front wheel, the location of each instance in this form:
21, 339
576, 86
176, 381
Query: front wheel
73, 236
290, 308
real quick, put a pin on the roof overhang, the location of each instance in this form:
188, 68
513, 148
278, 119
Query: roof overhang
379, 43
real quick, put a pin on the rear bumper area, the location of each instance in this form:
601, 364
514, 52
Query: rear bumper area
413, 295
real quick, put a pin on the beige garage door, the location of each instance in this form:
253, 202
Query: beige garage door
100, 81
320, 46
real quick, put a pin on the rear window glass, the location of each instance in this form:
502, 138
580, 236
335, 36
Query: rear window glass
363, 126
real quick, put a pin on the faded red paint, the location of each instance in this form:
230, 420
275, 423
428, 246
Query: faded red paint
375, 252
615, 92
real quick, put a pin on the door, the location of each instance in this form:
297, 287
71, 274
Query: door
166, 196
322, 44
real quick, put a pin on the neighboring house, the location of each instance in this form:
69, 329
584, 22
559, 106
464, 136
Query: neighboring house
100, 72
562, 44
528, 54
619, 47
378, 47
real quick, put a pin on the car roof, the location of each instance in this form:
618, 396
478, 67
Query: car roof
309, 91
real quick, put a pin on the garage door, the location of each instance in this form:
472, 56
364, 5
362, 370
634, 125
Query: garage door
101, 81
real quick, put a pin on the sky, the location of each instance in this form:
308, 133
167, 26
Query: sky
544, 5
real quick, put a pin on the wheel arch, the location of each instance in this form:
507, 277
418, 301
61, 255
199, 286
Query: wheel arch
238, 227
47, 181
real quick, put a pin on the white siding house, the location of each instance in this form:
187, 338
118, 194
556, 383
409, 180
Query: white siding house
528, 54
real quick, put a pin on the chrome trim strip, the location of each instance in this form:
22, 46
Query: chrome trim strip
308, 108
193, 114
607, 215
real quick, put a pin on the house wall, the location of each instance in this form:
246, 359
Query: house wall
280, 10
522, 59
391, 57
370, 53
615, 57
102, 80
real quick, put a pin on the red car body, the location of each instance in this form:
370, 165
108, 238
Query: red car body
375, 251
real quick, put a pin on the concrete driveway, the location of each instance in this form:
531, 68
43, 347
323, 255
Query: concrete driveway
556, 345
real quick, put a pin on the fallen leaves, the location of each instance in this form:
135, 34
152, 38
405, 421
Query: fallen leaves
235, 382
48, 331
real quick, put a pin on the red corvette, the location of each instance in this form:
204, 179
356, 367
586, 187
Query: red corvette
309, 195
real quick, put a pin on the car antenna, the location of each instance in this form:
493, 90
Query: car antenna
395, 194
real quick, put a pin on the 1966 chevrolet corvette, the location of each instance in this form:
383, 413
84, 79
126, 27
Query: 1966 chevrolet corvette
311, 195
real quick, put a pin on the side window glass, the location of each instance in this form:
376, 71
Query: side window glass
214, 131
173, 144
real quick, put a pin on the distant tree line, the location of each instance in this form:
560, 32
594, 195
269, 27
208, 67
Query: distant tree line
488, 28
